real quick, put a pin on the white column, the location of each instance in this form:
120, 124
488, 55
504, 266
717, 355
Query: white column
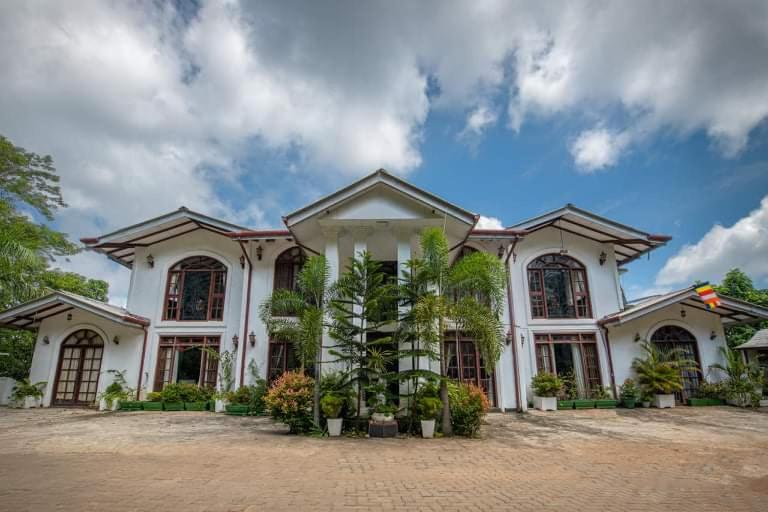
403, 255
332, 258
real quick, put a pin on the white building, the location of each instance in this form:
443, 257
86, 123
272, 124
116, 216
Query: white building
198, 281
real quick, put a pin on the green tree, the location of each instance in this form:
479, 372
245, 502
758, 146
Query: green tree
738, 285
469, 295
359, 308
298, 316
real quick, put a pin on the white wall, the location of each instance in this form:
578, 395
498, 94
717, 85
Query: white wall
699, 323
122, 357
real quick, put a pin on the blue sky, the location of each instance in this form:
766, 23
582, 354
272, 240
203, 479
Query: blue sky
650, 113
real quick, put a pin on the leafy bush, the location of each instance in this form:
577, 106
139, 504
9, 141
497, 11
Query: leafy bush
708, 389
289, 400
252, 396
570, 390
745, 380
155, 396
599, 393
546, 384
117, 390
629, 390
468, 405
183, 392
336, 383
24, 388
331, 405
428, 407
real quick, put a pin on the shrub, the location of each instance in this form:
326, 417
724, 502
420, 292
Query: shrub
24, 388
708, 389
331, 405
629, 390
182, 392
289, 400
660, 371
546, 384
155, 396
599, 393
114, 391
428, 407
252, 396
468, 405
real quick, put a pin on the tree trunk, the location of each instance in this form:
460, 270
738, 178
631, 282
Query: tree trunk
446, 423
318, 375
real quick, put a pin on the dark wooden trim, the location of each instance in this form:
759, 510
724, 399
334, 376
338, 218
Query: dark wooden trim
244, 340
141, 364
610, 362
510, 306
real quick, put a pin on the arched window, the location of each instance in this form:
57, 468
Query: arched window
77, 379
672, 337
287, 268
195, 290
557, 285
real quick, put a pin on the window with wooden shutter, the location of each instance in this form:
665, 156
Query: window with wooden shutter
195, 290
557, 288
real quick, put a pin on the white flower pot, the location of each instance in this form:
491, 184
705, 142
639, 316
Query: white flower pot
103, 406
221, 405
545, 403
334, 426
30, 402
427, 429
664, 401
380, 417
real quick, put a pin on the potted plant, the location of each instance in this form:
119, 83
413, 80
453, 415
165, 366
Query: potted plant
171, 395
708, 394
195, 398
27, 395
629, 394
546, 386
383, 412
331, 405
428, 407
154, 402
117, 392
603, 399
744, 383
569, 392
660, 372
645, 398
238, 402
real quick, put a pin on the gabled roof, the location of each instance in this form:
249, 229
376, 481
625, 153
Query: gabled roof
30, 314
731, 311
759, 340
261, 234
628, 243
120, 245
377, 178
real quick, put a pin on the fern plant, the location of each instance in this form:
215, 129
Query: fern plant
660, 371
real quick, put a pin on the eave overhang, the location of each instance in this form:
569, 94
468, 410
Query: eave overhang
29, 315
628, 243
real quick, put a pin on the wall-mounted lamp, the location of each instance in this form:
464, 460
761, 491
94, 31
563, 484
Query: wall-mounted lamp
682, 313
46, 340
242, 261
637, 337
252, 339
116, 340
500, 252
150, 261
522, 339
69, 317
603, 257
259, 252
235, 341
712, 335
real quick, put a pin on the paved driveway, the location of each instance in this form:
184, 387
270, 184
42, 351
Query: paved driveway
683, 459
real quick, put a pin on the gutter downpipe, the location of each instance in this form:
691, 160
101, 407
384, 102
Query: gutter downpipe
610, 360
512, 326
141, 363
244, 339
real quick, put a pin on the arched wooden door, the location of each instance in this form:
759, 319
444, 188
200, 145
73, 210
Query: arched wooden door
672, 337
77, 378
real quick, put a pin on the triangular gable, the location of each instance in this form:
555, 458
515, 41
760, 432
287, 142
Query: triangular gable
628, 243
340, 199
121, 245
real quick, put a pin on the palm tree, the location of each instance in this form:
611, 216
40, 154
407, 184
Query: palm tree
15, 262
298, 316
468, 297
745, 379
660, 371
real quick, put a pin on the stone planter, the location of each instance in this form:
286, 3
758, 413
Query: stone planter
30, 402
334, 426
645, 405
427, 429
221, 406
379, 417
545, 403
103, 406
664, 401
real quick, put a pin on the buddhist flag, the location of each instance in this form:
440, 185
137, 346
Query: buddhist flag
708, 295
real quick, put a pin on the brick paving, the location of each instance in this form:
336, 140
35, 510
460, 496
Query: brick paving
688, 458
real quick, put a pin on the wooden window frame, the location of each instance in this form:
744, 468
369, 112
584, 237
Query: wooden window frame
571, 272
683, 395
286, 262
213, 295
209, 367
569, 338
451, 339
93, 340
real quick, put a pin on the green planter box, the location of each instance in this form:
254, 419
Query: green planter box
606, 404
564, 404
173, 406
629, 403
152, 406
704, 402
195, 406
130, 405
237, 410
584, 404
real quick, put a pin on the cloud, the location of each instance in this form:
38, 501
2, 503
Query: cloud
489, 223
596, 149
478, 120
743, 245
